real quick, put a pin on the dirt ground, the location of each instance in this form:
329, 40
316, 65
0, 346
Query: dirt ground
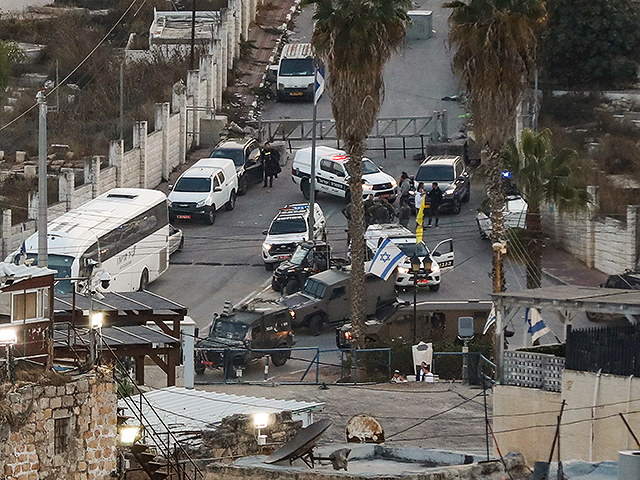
442, 415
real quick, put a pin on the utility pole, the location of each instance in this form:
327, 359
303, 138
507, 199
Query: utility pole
121, 100
42, 180
312, 184
193, 35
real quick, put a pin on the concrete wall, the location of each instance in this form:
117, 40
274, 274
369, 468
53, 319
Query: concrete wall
607, 244
516, 409
28, 444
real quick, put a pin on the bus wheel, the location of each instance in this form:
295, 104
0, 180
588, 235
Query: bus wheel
144, 280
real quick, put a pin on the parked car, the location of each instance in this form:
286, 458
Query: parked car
325, 299
514, 215
201, 191
452, 176
245, 153
176, 239
629, 280
332, 175
432, 262
289, 227
235, 336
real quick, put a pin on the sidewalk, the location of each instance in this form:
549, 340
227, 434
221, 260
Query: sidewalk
565, 269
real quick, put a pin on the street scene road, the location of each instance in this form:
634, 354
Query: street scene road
223, 262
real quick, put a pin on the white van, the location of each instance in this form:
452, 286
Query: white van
332, 175
295, 72
202, 190
432, 262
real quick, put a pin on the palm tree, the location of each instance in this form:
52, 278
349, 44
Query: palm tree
496, 42
541, 176
355, 38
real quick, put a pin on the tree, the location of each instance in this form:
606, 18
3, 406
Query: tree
10, 53
592, 43
496, 43
541, 176
355, 38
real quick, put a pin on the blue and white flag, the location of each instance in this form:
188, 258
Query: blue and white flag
490, 320
537, 327
319, 87
386, 259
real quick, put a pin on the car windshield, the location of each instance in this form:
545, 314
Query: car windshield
435, 173
409, 248
288, 225
368, 167
233, 153
314, 288
190, 184
231, 330
299, 255
296, 67
59, 263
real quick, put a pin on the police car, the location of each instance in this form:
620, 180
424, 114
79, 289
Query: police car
432, 262
290, 227
332, 175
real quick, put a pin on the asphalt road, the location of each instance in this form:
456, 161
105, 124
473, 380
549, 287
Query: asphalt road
223, 261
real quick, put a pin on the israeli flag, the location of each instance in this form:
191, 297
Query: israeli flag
537, 327
490, 320
386, 259
319, 88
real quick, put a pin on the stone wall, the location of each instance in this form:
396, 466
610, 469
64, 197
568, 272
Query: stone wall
27, 434
525, 418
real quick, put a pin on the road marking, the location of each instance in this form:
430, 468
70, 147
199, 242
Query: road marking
263, 288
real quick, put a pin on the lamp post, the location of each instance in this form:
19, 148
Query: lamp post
8, 338
415, 269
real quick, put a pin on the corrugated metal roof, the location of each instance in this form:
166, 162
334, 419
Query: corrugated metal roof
297, 50
10, 274
135, 335
185, 411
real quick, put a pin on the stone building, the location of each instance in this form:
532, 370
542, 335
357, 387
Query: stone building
62, 431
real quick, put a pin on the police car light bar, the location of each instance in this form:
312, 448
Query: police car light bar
339, 157
295, 207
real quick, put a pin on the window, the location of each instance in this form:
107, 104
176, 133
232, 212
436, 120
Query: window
337, 169
288, 225
296, 67
25, 305
232, 153
435, 173
193, 184
60, 435
338, 292
325, 165
314, 288
220, 177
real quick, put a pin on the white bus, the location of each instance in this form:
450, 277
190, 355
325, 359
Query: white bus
125, 229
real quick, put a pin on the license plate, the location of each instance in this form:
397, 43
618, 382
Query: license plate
183, 217
386, 195
296, 94
448, 263
422, 281
283, 257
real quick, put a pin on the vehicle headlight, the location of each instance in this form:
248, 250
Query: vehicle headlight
394, 183
450, 191
266, 246
366, 186
435, 268
292, 313
403, 270
201, 203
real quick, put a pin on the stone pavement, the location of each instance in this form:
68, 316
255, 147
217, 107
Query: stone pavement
565, 269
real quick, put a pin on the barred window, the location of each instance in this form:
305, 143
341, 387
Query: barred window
61, 434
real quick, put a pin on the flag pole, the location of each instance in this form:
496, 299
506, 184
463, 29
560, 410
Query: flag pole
312, 185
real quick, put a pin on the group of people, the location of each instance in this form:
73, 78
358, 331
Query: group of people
431, 200
270, 158
423, 374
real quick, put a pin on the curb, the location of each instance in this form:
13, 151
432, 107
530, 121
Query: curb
555, 279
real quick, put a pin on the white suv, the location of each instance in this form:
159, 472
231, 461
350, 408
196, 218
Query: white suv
290, 227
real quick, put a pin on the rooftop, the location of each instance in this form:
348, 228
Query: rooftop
175, 27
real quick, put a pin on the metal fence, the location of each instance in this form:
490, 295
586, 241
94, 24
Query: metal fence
534, 370
614, 349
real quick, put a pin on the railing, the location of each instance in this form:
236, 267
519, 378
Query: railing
614, 349
533, 370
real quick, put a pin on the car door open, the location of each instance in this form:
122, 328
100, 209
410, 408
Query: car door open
443, 254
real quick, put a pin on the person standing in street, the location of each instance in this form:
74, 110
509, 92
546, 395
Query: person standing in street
270, 164
404, 213
405, 186
435, 199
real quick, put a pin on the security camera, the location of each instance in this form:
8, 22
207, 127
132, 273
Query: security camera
105, 279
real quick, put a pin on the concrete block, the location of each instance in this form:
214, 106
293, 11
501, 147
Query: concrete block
21, 156
422, 27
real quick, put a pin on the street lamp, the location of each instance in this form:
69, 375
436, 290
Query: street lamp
8, 338
260, 421
415, 269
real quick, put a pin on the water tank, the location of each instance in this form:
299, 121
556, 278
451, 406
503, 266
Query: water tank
629, 465
422, 24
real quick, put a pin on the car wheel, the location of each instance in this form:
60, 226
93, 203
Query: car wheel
434, 288
280, 358
231, 204
243, 187
200, 368
292, 287
211, 216
316, 325
144, 280
457, 206
306, 189
268, 267
181, 244
276, 285
467, 196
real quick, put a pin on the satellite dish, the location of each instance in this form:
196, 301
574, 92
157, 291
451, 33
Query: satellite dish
363, 428
301, 445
